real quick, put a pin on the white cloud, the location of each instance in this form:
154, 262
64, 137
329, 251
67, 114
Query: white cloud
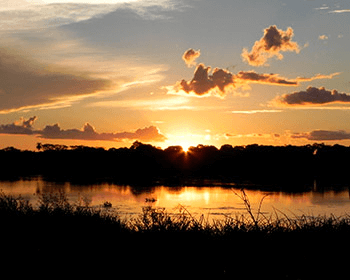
25, 15
163, 104
249, 112
339, 11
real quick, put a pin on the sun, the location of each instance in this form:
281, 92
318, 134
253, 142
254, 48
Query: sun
185, 145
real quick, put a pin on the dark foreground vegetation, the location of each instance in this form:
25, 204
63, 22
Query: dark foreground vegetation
145, 164
57, 238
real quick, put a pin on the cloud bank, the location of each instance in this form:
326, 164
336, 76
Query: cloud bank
271, 44
312, 96
323, 135
22, 126
190, 57
88, 132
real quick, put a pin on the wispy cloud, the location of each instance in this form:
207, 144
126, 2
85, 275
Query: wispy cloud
249, 112
59, 71
339, 11
24, 15
153, 104
25, 83
322, 8
253, 135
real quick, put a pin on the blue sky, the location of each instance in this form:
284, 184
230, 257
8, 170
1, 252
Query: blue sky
116, 67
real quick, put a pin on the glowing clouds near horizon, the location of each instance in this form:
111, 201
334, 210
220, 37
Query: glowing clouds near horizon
88, 132
271, 44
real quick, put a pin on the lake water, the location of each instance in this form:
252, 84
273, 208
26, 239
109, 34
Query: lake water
214, 202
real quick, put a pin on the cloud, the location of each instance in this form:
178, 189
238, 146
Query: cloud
222, 82
324, 7
271, 44
153, 104
253, 77
312, 96
190, 56
27, 15
146, 134
23, 127
55, 71
323, 135
88, 132
45, 16
318, 77
25, 83
202, 83
339, 11
249, 112
252, 135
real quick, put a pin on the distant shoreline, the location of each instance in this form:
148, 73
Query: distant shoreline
276, 166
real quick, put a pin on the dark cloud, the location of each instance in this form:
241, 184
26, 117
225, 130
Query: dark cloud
29, 123
88, 132
24, 127
220, 82
312, 96
251, 76
146, 134
25, 83
271, 44
190, 56
323, 135
203, 83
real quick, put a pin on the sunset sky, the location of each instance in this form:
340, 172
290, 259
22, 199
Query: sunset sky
184, 72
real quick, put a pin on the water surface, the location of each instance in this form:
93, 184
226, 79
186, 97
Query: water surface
214, 202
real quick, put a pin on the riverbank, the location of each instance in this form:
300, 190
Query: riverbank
65, 237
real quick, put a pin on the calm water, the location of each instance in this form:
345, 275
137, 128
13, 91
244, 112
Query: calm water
214, 202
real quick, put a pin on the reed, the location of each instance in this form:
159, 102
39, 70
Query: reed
245, 246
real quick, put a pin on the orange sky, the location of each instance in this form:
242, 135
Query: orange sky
108, 74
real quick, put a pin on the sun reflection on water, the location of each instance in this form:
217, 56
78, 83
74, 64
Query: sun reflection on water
218, 201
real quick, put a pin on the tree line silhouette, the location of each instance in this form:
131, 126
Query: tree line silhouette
147, 164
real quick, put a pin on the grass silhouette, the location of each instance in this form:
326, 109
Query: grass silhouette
76, 238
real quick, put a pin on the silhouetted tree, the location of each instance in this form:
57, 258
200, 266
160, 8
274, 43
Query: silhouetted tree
146, 163
39, 146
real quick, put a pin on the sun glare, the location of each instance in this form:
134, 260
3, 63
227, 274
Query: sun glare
185, 146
